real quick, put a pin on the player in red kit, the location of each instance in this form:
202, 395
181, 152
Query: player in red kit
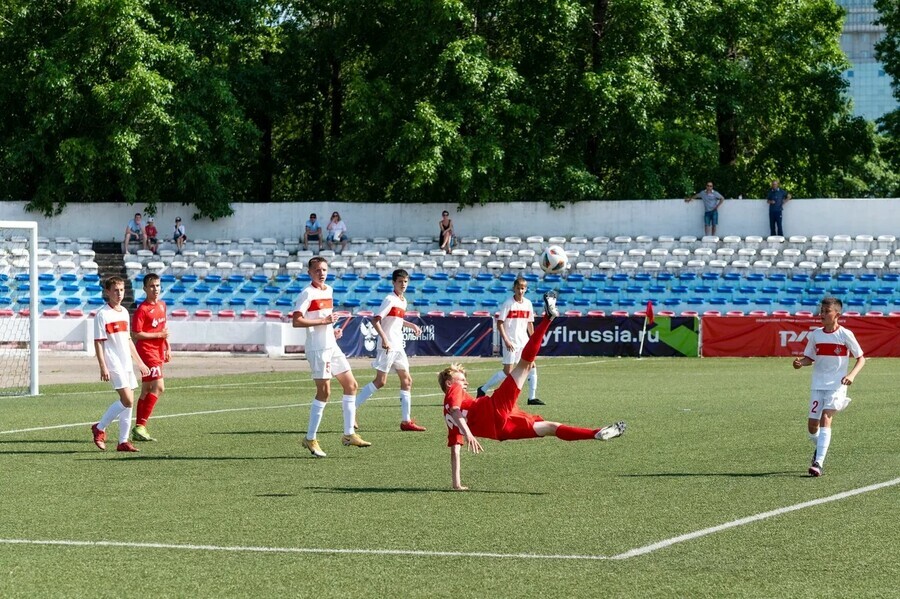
151, 338
496, 416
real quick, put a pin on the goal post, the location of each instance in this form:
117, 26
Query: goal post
19, 291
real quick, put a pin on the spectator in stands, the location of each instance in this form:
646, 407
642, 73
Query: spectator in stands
712, 199
179, 236
152, 236
446, 236
134, 229
337, 232
312, 232
776, 198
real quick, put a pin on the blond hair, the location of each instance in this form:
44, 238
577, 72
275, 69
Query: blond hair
445, 377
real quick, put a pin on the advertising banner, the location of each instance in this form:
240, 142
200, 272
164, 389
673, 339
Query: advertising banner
441, 336
621, 336
749, 336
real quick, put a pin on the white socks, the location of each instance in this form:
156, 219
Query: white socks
822, 444
532, 383
365, 393
315, 418
405, 405
112, 412
494, 381
125, 425
348, 402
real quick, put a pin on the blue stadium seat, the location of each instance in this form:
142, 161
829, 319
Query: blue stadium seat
531, 277
417, 276
443, 302
214, 301
237, 301
467, 302
68, 277
45, 277
485, 277
462, 276
72, 301
167, 278
373, 302
259, 279
454, 289
96, 301
421, 302
213, 279
261, 301
49, 301
90, 278
351, 303
490, 302
284, 301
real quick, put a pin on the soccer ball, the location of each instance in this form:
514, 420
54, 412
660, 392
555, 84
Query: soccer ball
554, 260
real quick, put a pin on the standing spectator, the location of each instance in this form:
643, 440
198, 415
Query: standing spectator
135, 229
312, 232
712, 199
314, 311
828, 350
446, 226
152, 236
151, 338
391, 355
337, 232
117, 356
776, 198
515, 323
179, 236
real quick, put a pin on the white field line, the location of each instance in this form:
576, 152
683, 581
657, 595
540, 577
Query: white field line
751, 519
473, 554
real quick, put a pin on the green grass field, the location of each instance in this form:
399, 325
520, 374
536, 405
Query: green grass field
236, 507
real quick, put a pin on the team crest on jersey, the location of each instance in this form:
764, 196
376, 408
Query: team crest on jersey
370, 336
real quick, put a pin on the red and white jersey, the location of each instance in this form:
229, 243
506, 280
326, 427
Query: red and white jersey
150, 318
516, 316
317, 302
831, 353
477, 413
392, 313
111, 326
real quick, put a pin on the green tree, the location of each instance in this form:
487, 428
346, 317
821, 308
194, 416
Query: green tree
887, 50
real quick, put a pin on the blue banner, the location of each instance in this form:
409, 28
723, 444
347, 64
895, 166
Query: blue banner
441, 336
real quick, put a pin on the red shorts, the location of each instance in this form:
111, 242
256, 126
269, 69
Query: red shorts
156, 373
497, 416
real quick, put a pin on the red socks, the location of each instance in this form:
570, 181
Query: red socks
531, 349
145, 409
574, 433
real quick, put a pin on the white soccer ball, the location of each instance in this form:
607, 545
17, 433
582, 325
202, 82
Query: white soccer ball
554, 260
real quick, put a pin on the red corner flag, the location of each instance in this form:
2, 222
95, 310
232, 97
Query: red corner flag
649, 312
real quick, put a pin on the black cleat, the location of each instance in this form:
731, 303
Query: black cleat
535, 402
480, 392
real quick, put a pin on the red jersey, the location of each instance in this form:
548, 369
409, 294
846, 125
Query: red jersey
479, 414
150, 318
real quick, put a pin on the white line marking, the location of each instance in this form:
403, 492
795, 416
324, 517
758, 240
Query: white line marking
477, 554
408, 552
750, 519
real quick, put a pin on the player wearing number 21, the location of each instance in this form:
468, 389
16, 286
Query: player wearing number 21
828, 350
151, 338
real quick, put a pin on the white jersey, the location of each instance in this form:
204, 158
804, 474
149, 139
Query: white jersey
831, 353
111, 326
392, 312
313, 303
516, 316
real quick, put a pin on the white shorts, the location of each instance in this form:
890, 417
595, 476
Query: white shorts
327, 363
827, 399
121, 380
387, 361
510, 357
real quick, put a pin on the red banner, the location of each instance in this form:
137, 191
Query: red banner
750, 336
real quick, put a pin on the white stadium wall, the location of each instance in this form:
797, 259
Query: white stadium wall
106, 221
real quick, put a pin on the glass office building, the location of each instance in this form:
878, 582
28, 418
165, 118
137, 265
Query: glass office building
870, 86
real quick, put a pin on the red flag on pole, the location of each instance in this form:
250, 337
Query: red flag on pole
649, 312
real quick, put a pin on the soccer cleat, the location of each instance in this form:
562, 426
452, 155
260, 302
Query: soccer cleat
611, 432
313, 446
354, 440
550, 304
139, 433
535, 402
99, 437
815, 469
480, 392
410, 425
127, 447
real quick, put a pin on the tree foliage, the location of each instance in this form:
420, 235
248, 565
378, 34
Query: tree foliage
455, 101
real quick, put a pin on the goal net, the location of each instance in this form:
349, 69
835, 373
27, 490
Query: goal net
18, 308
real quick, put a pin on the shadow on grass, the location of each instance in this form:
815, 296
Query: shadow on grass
44, 441
728, 474
46, 452
185, 458
367, 490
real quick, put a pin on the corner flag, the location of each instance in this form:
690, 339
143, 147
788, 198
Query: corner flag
650, 312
